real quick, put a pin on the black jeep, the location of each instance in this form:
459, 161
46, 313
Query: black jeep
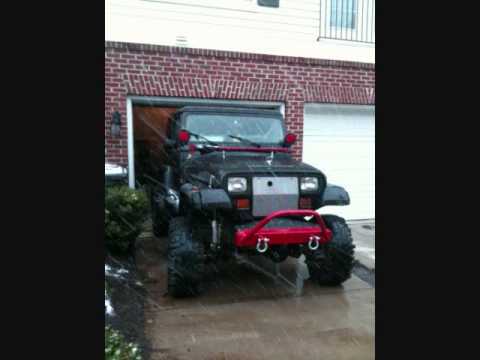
230, 185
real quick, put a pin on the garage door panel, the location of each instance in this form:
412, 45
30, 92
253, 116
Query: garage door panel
353, 149
340, 141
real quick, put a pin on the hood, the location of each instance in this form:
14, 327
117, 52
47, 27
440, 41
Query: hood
222, 164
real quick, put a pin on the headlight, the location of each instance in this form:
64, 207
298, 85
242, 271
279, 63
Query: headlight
309, 184
237, 184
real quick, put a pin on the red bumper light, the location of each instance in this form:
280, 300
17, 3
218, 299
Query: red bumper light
305, 203
243, 204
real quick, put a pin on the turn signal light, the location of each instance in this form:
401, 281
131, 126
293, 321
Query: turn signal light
183, 136
290, 139
243, 204
305, 203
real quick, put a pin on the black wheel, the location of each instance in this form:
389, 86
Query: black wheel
185, 260
159, 220
333, 264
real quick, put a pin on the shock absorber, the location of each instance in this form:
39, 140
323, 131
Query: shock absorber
214, 242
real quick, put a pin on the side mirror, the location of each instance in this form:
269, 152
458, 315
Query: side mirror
290, 139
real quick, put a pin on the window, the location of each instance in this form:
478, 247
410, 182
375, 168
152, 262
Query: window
219, 127
343, 13
269, 3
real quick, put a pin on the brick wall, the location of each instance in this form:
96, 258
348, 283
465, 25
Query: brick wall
151, 70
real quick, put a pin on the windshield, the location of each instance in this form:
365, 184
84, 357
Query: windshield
245, 129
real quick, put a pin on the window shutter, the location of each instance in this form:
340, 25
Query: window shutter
269, 3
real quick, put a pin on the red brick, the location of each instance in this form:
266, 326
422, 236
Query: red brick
151, 70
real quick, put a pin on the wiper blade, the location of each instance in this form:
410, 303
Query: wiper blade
245, 140
213, 143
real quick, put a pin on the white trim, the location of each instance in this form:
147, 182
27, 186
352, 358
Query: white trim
131, 154
180, 101
348, 43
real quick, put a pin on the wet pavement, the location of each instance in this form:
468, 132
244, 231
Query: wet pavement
363, 233
253, 309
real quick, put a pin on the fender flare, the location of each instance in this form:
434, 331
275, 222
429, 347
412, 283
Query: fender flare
206, 198
335, 195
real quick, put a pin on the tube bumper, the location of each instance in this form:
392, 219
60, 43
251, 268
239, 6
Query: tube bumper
285, 235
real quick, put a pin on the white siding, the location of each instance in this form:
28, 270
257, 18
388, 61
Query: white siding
237, 25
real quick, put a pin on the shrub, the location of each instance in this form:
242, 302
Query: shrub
117, 348
125, 211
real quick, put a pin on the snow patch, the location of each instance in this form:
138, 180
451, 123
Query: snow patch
108, 305
116, 273
109, 308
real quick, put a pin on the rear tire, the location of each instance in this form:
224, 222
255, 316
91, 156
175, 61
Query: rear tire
185, 260
334, 264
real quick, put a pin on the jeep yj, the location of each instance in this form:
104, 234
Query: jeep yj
230, 185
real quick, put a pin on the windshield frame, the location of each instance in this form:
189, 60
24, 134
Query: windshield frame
260, 114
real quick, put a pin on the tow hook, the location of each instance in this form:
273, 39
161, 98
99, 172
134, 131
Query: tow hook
262, 244
314, 242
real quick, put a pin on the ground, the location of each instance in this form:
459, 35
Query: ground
127, 295
255, 310
363, 233
364, 237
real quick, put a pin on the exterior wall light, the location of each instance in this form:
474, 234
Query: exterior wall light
116, 124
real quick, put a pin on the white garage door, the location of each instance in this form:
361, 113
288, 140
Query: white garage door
340, 141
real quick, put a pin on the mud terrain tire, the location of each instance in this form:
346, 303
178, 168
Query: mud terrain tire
336, 265
185, 260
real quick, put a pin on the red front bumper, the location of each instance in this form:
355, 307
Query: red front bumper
285, 235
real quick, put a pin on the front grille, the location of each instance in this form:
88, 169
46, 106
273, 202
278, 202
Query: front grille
274, 193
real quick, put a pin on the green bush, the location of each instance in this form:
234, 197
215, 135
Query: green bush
125, 211
116, 348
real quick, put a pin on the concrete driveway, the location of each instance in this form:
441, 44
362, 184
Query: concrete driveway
255, 310
363, 233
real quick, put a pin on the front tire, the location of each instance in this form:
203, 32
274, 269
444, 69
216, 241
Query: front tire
185, 260
333, 264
